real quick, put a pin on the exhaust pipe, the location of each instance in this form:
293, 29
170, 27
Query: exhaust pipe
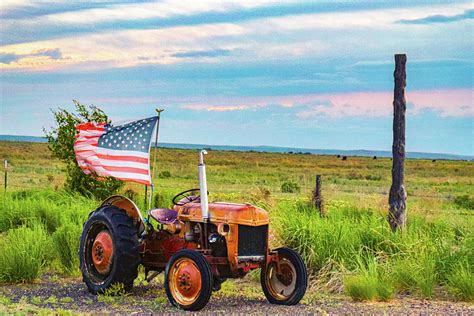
203, 186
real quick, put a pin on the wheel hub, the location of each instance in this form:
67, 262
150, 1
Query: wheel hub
281, 284
285, 276
102, 252
185, 281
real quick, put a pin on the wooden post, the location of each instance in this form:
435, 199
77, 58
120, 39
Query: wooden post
146, 196
317, 197
6, 174
398, 195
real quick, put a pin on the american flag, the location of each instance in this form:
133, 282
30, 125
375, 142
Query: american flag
121, 152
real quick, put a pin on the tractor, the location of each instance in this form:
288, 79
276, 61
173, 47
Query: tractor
197, 244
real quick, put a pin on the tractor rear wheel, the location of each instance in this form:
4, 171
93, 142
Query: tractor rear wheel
188, 280
108, 250
284, 282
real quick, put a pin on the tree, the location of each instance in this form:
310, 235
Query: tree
61, 143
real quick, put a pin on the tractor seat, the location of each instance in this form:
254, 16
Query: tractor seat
163, 215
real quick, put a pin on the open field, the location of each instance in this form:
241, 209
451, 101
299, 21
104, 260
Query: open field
351, 253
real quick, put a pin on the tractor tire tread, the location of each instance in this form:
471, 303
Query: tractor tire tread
301, 279
204, 268
126, 249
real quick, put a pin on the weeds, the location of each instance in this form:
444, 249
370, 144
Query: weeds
23, 252
66, 242
461, 282
361, 287
464, 201
290, 187
417, 260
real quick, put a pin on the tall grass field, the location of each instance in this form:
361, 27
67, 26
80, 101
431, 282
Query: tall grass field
352, 250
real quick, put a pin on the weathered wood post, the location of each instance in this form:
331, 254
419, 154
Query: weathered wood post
6, 174
317, 197
398, 195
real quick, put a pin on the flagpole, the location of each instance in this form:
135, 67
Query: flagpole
158, 111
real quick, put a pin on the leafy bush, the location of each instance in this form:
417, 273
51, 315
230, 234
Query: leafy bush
66, 241
23, 252
290, 187
61, 143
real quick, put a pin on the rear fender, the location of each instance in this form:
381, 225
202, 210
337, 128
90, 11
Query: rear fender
130, 208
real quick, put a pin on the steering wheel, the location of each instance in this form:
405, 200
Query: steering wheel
187, 196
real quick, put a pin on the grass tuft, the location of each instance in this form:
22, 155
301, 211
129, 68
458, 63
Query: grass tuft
23, 252
66, 242
461, 282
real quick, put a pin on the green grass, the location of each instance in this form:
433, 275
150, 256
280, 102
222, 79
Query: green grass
23, 252
415, 261
352, 250
461, 281
66, 242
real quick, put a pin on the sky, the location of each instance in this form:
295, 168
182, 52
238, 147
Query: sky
313, 74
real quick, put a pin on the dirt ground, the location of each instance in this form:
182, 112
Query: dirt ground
62, 296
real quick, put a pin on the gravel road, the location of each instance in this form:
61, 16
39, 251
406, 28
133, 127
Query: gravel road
242, 297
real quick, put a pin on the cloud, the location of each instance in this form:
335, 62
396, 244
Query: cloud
438, 18
53, 54
8, 58
446, 103
308, 35
203, 53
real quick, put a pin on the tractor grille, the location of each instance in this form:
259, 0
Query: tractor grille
252, 240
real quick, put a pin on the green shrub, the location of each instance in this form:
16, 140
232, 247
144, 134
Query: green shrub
131, 194
290, 187
164, 174
163, 199
23, 252
464, 201
66, 241
461, 282
373, 177
61, 140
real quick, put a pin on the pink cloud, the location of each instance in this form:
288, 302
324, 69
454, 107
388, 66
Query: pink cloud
446, 102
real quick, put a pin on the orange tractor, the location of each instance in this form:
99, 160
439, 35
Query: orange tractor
197, 244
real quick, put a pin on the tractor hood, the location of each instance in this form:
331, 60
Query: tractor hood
231, 213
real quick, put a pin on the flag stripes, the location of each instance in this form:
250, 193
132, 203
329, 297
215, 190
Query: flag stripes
129, 165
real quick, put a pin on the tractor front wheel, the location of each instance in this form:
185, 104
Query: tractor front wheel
188, 280
284, 281
108, 250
